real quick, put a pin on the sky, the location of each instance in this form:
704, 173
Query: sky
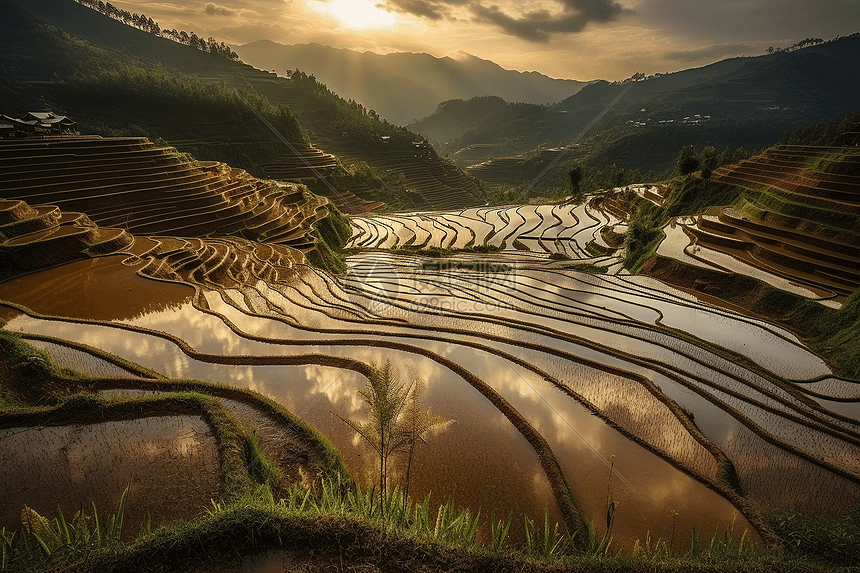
571, 39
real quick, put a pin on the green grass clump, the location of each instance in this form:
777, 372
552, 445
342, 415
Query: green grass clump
835, 332
587, 268
596, 250
332, 233
41, 543
838, 333
834, 540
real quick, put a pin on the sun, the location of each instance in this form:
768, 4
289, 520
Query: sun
355, 14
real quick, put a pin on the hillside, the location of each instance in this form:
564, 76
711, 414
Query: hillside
117, 80
133, 186
746, 102
402, 87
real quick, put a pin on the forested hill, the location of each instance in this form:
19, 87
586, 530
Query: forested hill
404, 86
114, 79
736, 102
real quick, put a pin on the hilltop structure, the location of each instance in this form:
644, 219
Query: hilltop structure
37, 123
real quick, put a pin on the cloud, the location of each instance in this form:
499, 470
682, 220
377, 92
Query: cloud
430, 9
713, 52
213, 10
537, 25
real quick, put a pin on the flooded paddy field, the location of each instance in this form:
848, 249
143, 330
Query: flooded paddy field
102, 289
555, 379
565, 229
169, 464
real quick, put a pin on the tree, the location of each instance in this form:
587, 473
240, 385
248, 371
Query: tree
396, 421
688, 160
575, 176
416, 424
708, 158
386, 397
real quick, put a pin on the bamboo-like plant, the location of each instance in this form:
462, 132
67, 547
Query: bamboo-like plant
386, 397
397, 422
549, 543
415, 424
611, 505
499, 530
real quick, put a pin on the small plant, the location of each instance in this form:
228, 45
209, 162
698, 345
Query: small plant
674, 515
386, 397
611, 504
396, 424
41, 542
453, 525
499, 532
547, 544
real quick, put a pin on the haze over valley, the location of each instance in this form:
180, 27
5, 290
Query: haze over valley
429, 285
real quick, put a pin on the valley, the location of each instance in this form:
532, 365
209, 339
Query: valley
197, 353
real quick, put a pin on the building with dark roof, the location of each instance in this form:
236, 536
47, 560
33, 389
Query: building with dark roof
36, 123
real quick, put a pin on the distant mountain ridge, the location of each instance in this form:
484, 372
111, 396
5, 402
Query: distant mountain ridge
748, 102
402, 87
114, 79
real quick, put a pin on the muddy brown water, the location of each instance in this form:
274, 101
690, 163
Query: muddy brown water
481, 461
81, 361
169, 463
99, 289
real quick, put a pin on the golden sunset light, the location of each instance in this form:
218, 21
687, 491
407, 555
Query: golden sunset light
355, 14
473, 286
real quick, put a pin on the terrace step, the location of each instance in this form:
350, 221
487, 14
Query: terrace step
45, 237
153, 190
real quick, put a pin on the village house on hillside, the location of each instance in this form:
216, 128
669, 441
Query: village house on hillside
36, 123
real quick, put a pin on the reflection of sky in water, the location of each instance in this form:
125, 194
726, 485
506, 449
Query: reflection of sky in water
849, 409
482, 443
190, 324
100, 288
297, 387
170, 464
779, 353
583, 443
231, 343
481, 440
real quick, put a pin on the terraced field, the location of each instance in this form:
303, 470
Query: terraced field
433, 182
308, 163
556, 379
505, 170
799, 229
149, 190
571, 231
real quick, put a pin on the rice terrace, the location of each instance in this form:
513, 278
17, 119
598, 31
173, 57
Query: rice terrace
249, 324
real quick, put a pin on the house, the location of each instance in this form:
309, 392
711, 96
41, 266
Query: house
36, 122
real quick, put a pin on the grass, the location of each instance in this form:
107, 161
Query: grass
829, 539
335, 516
42, 542
332, 233
587, 268
342, 521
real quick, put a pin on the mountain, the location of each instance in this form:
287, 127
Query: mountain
114, 79
735, 102
402, 87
